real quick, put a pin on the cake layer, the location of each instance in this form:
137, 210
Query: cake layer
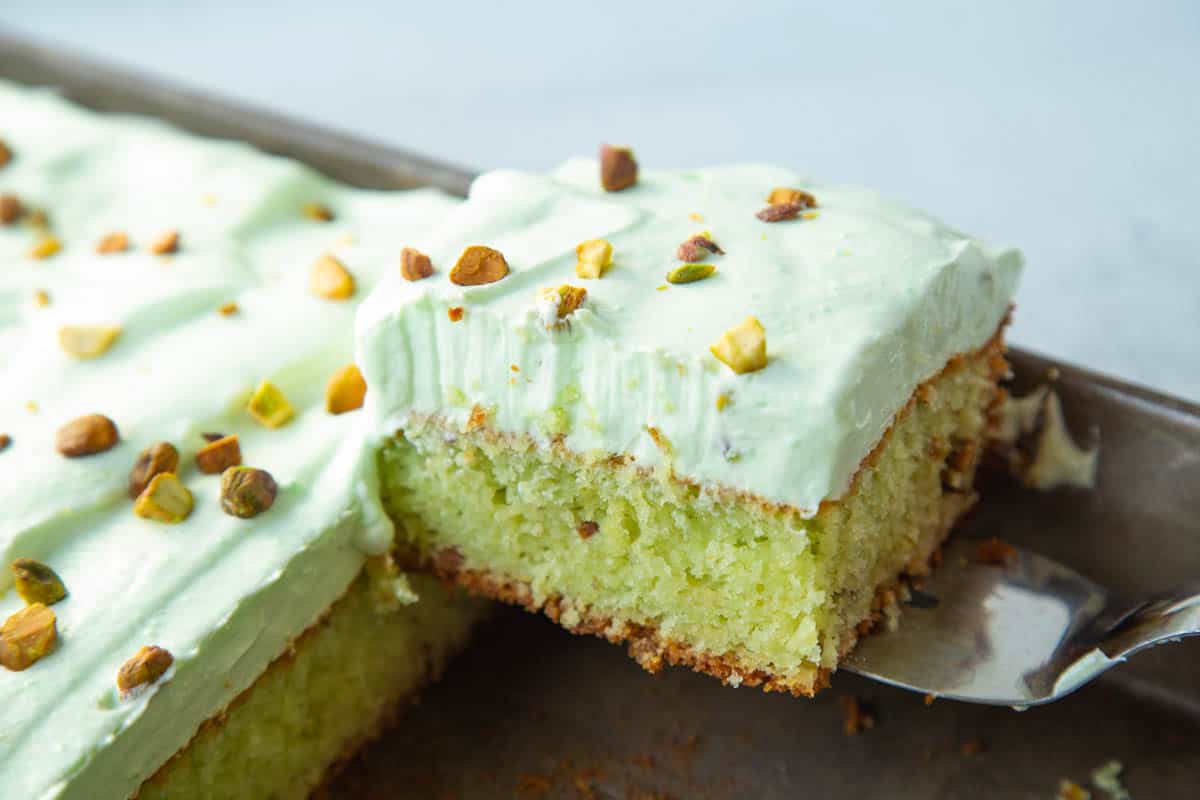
860, 298
339, 684
749, 592
202, 322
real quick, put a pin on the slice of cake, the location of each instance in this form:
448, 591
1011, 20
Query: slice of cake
196, 592
715, 414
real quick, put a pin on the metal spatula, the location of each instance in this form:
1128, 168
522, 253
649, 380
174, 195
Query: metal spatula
1020, 634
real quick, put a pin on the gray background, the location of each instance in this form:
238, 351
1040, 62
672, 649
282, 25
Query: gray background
1070, 129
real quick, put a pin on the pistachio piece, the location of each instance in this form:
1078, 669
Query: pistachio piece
148, 665
595, 255
697, 248
157, 458
165, 499
37, 583
415, 265
268, 406
345, 390
318, 212
690, 273
219, 455
27, 636
165, 244
5, 154
247, 492
780, 212
10, 209
87, 341
45, 247
330, 279
782, 196
618, 169
479, 265
86, 435
227, 309
743, 348
115, 242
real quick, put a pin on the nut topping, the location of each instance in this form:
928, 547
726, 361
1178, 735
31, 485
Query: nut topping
996, 552
115, 242
565, 299
165, 499
10, 209
45, 247
268, 406
247, 492
27, 636
219, 455
227, 309
87, 341
618, 169
330, 279
86, 435
37, 583
318, 212
345, 390
697, 248
743, 348
150, 664
595, 256
415, 265
166, 244
157, 458
5, 441
690, 273
782, 196
479, 265
455, 313
781, 212
41, 298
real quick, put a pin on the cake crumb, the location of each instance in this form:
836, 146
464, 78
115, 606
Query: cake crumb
455, 313
1069, 790
587, 529
858, 717
929, 698
41, 298
5, 441
533, 786
166, 243
996, 552
227, 309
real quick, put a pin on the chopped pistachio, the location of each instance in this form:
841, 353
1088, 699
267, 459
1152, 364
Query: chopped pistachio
345, 390
780, 212
479, 265
618, 169
87, 341
330, 279
697, 248
157, 458
41, 298
227, 309
414, 265
165, 499
247, 492
45, 247
86, 435
115, 242
690, 273
743, 348
165, 244
455, 313
782, 196
219, 455
318, 212
268, 406
10, 209
148, 665
37, 583
595, 256
27, 636
5, 154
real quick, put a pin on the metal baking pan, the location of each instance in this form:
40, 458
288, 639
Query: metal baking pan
531, 711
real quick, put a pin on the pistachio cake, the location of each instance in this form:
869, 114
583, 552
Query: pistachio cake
196, 593
715, 414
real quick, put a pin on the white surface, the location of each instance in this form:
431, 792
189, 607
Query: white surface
1072, 132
